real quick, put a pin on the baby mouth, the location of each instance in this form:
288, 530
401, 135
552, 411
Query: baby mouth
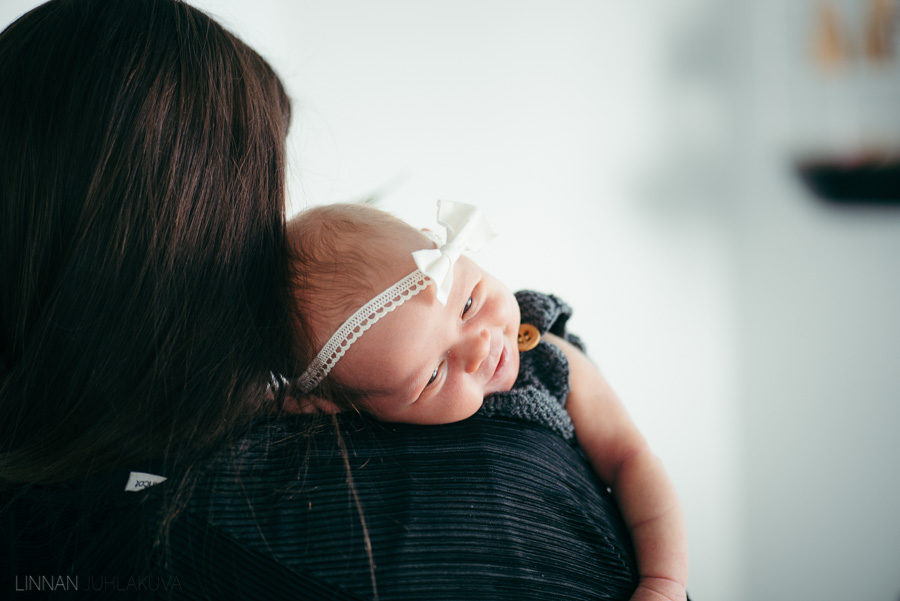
501, 364
502, 359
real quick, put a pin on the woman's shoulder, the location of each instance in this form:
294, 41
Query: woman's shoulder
272, 450
481, 506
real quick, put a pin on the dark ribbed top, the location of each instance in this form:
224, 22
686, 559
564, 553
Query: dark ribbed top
488, 508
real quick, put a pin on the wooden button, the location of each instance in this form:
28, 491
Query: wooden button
528, 337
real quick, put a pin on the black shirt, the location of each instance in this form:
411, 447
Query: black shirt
487, 508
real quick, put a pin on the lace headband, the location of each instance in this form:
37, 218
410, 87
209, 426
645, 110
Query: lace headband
467, 230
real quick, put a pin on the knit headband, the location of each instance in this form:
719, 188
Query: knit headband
467, 230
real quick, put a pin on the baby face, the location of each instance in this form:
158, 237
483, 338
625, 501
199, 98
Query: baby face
429, 364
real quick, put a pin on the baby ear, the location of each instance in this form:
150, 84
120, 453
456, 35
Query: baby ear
309, 404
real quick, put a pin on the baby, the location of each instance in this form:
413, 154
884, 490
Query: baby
455, 339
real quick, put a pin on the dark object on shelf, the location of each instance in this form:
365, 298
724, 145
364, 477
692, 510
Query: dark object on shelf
853, 182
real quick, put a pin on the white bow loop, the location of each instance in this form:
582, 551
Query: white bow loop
467, 230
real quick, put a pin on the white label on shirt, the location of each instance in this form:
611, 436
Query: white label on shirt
138, 481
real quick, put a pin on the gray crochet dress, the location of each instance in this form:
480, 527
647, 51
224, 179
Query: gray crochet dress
540, 392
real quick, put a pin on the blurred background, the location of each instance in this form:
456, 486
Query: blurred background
712, 184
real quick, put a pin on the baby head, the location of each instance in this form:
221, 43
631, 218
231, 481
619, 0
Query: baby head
420, 360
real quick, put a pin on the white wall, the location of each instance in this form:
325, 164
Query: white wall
820, 344
591, 151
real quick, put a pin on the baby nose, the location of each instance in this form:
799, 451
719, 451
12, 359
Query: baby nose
479, 349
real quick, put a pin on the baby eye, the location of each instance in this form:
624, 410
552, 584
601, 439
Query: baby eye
434, 376
467, 307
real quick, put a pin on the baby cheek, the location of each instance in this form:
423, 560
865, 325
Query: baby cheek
467, 409
513, 322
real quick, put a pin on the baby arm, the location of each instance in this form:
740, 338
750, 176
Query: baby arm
621, 457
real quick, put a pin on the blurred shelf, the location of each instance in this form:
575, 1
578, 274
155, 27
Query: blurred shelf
863, 181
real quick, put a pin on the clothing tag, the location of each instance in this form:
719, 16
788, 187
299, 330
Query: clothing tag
138, 481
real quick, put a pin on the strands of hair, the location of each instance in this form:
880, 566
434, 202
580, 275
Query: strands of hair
358, 504
142, 242
143, 227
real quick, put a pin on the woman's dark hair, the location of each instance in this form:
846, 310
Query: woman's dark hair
144, 299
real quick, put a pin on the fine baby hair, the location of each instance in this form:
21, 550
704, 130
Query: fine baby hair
333, 272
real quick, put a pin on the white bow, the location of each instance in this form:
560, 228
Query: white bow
467, 230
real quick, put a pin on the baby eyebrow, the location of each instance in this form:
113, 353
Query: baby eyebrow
461, 288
